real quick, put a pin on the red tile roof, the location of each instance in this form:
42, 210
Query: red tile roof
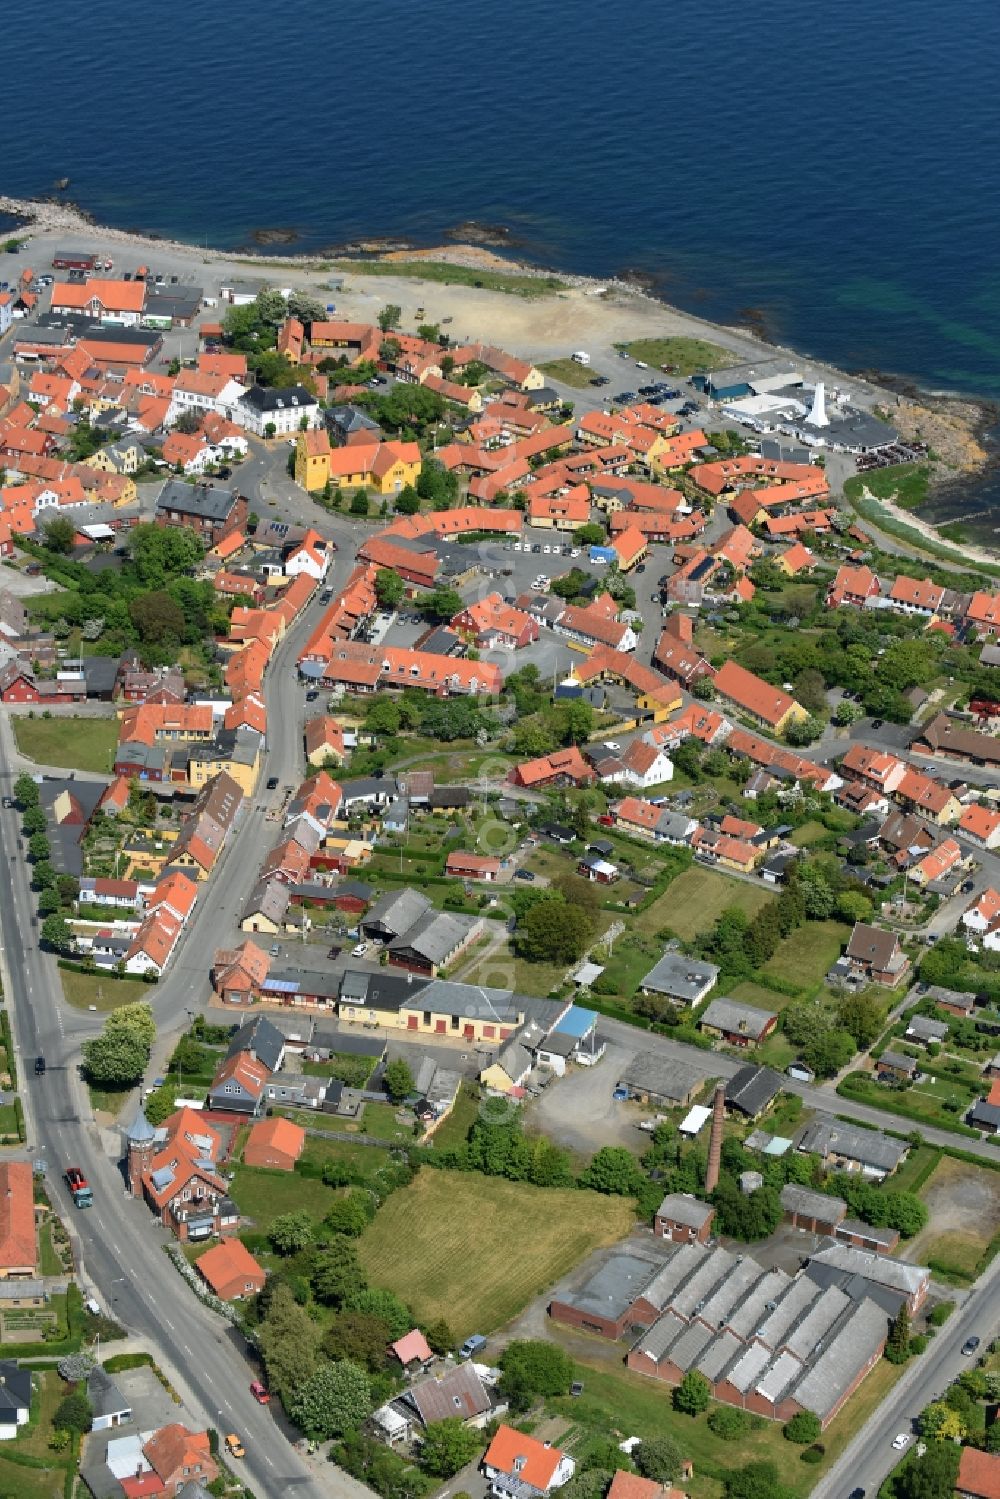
17, 1216
533, 1462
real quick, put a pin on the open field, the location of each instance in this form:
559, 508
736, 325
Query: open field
81, 990
903, 483
964, 1207
568, 371
444, 1220
365, 1159
698, 896
456, 275
809, 832
686, 355
70, 743
808, 953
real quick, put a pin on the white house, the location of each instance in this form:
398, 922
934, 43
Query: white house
983, 915
6, 311
198, 390
646, 765
263, 407
310, 556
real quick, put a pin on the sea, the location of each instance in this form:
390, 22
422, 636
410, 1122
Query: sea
826, 173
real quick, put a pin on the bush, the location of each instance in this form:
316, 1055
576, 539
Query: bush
728, 1423
802, 1428
939, 1315
813, 1454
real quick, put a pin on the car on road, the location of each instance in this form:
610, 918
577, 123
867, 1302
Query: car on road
877, 723
234, 1446
620, 1095
970, 1345
39, 1066
8, 802
335, 952
900, 1441
272, 783
259, 1393
312, 695
524, 874
613, 746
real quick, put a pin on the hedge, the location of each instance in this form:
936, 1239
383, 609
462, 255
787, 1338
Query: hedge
69, 1344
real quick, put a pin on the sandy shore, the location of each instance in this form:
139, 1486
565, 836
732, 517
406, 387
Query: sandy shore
591, 314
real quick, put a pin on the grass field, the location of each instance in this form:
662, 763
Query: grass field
686, 355
518, 285
697, 897
70, 743
362, 1158
911, 1172
616, 1403
568, 371
264, 1195
903, 483
510, 1240
455, 1129
805, 956
809, 832
81, 990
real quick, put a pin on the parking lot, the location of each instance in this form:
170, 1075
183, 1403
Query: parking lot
579, 1112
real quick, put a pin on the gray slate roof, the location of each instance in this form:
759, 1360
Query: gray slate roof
812, 1204
733, 1016
752, 1088
207, 501
397, 910
679, 977
870, 1147
436, 936
681, 1208
662, 1077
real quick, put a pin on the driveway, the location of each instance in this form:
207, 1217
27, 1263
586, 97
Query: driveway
579, 1112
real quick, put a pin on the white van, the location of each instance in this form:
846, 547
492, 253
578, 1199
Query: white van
582, 357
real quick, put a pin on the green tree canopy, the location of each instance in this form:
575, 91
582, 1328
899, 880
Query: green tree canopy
73, 1413
613, 1170
288, 1339
659, 1458
692, 1394
532, 1367
447, 1446
553, 932
360, 1337
336, 1399
398, 1079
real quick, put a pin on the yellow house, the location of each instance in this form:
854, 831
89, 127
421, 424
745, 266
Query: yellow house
124, 457
386, 467
242, 763
312, 459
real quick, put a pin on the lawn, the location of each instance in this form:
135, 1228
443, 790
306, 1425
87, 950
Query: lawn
441, 271
455, 1129
809, 832
264, 1195
923, 1103
686, 355
568, 371
910, 1176
51, 1264
31, 1483
70, 743
903, 483
509, 1239
808, 953
379, 1119
697, 897
617, 1403
102, 990
364, 1159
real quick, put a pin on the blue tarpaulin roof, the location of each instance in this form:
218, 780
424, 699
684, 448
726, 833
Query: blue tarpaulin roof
281, 986
577, 1021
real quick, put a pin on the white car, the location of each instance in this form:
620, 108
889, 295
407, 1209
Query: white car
575, 552
547, 551
360, 950
641, 365
613, 746
901, 1441
517, 546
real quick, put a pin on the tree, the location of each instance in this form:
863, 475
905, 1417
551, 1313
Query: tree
159, 620
74, 1413
135, 1021
56, 934
897, 1345
802, 731
336, 1275
802, 1429
60, 535
590, 534
692, 1394
407, 502
360, 1337
440, 604
940, 1422
350, 1215
440, 1336
189, 422
659, 1458
386, 1305
48, 902
704, 689
398, 1079
359, 502
828, 1052
390, 590
757, 1480
848, 712
43, 876
114, 1059
336, 1399
613, 1170
862, 1016
288, 1340
389, 316
448, 1445
38, 847
34, 820
291, 1232
553, 932
728, 1423
26, 791
746, 1217
532, 1367
931, 1476
852, 906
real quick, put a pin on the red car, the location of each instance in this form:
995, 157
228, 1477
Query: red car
259, 1393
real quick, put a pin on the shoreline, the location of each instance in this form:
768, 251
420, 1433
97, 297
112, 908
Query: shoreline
952, 423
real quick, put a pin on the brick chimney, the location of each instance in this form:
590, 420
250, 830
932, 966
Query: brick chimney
715, 1143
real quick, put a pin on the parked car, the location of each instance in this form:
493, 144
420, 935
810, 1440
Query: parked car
620, 1095
970, 1345
524, 874
272, 783
613, 746
360, 950
900, 1441
335, 952
8, 802
472, 1345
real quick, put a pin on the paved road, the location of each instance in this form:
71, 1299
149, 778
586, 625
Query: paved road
120, 1242
869, 1457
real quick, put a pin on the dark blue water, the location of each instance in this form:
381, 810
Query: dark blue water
833, 167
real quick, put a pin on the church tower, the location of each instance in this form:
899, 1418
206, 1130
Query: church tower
140, 1142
